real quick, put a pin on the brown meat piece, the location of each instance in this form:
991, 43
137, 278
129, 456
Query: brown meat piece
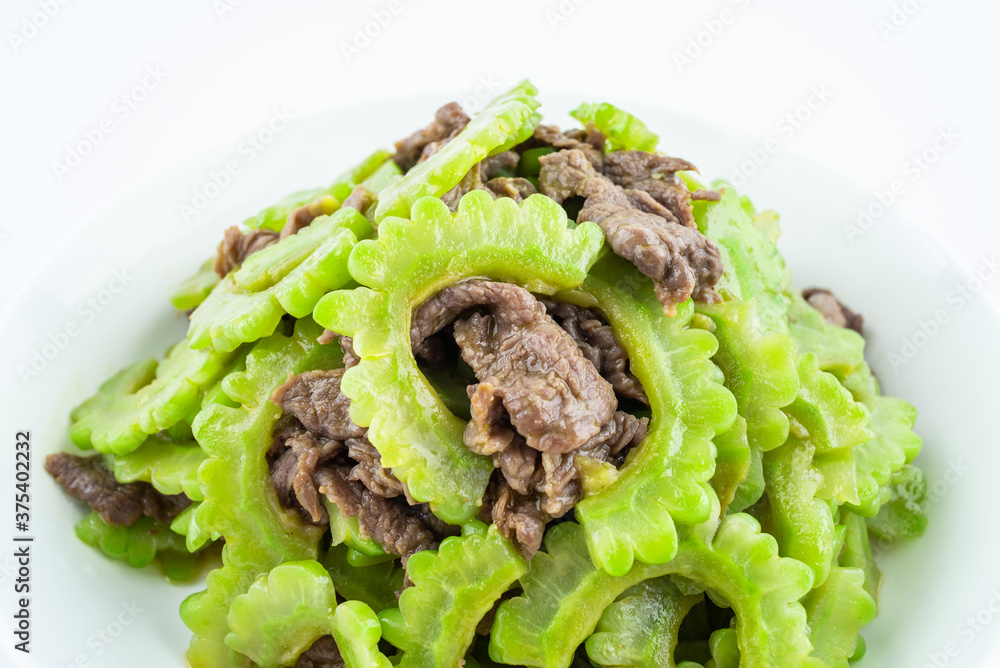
360, 198
303, 216
292, 472
554, 396
87, 479
589, 141
656, 175
642, 200
448, 122
833, 310
520, 466
237, 246
517, 189
471, 181
346, 345
569, 173
681, 261
707, 195
493, 165
369, 471
672, 194
315, 399
323, 653
598, 343
518, 517
626, 168
395, 527
615, 438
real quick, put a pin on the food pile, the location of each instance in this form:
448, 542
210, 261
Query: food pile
507, 395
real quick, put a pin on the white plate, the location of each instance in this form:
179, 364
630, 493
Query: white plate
935, 588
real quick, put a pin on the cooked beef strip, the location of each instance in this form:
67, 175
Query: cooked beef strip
681, 261
589, 141
520, 465
553, 394
369, 470
237, 246
323, 653
397, 528
292, 472
117, 503
448, 122
303, 216
833, 310
315, 399
656, 175
568, 173
471, 181
642, 200
518, 517
517, 189
626, 168
360, 198
493, 165
708, 195
598, 343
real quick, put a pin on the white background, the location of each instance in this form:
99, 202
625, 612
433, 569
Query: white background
885, 78
897, 73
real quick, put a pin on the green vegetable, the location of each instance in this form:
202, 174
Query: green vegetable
259, 534
274, 217
282, 614
288, 277
665, 478
357, 631
803, 524
640, 628
145, 398
837, 611
373, 585
194, 289
564, 595
136, 545
452, 589
503, 123
171, 467
903, 515
621, 129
